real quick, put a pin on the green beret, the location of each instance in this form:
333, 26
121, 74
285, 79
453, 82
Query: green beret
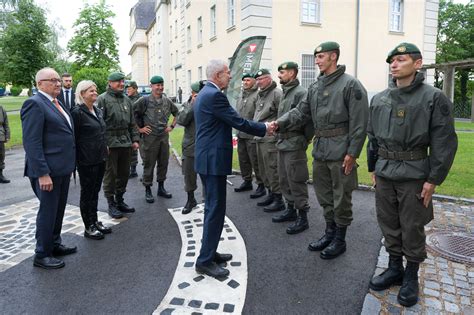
195, 87
132, 84
261, 72
247, 75
156, 79
116, 76
403, 49
288, 65
326, 46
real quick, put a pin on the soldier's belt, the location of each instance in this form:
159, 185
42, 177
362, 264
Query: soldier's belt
289, 134
117, 132
417, 154
328, 133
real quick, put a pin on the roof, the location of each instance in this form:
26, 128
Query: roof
143, 13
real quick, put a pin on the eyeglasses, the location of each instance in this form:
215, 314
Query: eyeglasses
52, 80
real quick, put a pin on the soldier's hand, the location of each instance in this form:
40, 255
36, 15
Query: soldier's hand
348, 164
135, 146
45, 183
427, 193
146, 130
168, 129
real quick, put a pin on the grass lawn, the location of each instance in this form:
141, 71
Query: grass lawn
459, 183
12, 102
14, 121
464, 125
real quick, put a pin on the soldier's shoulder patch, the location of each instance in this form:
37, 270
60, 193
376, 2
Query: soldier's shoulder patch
358, 94
445, 110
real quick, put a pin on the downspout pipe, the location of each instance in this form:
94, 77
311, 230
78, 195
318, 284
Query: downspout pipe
356, 67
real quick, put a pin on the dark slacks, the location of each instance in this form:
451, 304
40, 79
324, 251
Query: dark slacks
214, 215
49, 219
90, 177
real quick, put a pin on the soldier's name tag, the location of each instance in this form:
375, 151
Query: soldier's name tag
401, 113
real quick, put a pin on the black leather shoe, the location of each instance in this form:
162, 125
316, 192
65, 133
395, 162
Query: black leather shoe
48, 263
212, 270
277, 204
408, 294
162, 191
259, 192
104, 229
148, 195
267, 201
222, 258
393, 275
245, 186
326, 239
62, 250
133, 172
190, 203
93, 233
337, 245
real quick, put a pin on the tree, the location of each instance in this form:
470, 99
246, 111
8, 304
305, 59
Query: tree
98, 75
94, 42
23, 45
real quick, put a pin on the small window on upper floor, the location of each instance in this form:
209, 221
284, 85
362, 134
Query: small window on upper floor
213, 22
396, 16
311, 11
230, 13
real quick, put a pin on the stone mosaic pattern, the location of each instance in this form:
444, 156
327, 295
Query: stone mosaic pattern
193, 293
18, 226
446, 287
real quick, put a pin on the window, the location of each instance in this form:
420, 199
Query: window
308, 70
230, 13
213, 21
396, 15
199, 73
199, 26
188, 37
310, 11
175, 28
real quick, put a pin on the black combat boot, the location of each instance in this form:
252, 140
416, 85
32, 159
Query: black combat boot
122, 206
288, 215
393, 275
326, 239
408, 294
266, 201
190, 204
148, 195
133, 171
337, 245
277, 205
162, 191
114, 212
93, 232
301, 223
245, 186
3, 179
259, 192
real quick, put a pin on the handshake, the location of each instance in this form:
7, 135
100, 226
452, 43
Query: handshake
272, 127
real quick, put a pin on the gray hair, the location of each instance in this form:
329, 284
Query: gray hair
214, 66
42, 73
83, 86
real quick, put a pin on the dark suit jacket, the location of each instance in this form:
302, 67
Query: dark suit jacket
48, 139
215, 119
63, 101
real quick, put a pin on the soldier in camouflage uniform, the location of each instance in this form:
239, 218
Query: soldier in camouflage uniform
246, 146
268, 100
4, 138
152, 113
337, 104
132, 93
122, 137
406, 121
292, 160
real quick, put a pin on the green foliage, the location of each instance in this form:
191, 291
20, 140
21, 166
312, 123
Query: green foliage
98, 75
15, 90
94, 43
23, 45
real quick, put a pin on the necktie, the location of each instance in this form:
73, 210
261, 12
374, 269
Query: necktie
55, 101
68, 105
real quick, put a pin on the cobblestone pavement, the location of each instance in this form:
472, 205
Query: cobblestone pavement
446, 287
18, 225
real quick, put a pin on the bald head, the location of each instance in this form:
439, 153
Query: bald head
48, 81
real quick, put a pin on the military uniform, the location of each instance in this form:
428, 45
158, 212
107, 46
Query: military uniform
4, 137
134, 160
337, 104
266, 110
404, 124
120, 133
246, 146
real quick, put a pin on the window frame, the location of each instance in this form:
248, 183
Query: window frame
317, 16
392, 13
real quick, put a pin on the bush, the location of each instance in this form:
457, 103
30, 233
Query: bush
15, 90
99, 76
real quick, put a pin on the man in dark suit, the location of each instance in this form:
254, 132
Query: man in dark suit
48, 140
67, 95
215, 119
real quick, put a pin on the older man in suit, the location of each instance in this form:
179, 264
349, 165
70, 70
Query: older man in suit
67, 95
215, 119
48, 139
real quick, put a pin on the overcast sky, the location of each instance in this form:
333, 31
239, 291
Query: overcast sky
65, 12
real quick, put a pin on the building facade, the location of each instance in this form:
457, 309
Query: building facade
186, 34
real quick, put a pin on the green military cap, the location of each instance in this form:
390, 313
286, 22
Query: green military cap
195, 87
116, 76
261, 72
288, 65
403, 49
247, 75
326, 46
132, 84
156, 79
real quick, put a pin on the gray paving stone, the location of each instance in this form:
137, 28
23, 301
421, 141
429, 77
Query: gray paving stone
449, 297
430, 270
464, 292
462, 284
371, 305
465, 300
460, 277
460, 272
392, 309
431, 292
432, 285
433, 303
447, 280
450, 307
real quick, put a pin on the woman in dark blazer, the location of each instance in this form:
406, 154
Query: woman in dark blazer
91, 154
